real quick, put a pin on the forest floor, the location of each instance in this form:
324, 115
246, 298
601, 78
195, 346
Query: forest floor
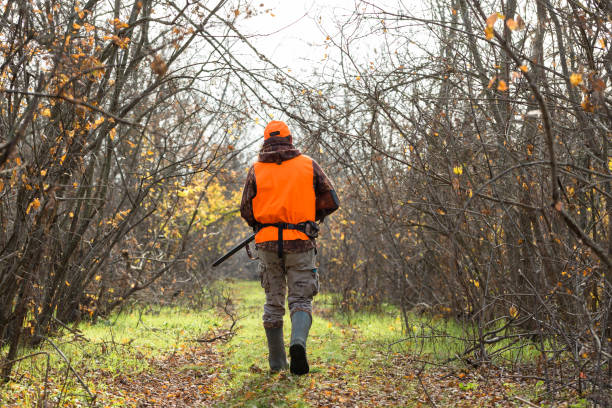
175, 357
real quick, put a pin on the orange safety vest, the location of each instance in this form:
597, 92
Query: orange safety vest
284, 193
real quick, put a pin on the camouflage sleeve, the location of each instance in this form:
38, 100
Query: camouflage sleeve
248, 193
326, 199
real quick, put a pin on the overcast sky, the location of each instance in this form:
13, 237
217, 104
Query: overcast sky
293, 34
289, 34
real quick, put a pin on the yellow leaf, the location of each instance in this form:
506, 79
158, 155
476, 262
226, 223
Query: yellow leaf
62, 159
513, 311
609, 165
358, 77
112, 133
491, 82
512, 25
46, 112
98, 277
98, 122
458, 170
492, 19
35, 204
502, 86
524, 68
43, 173
586, 104
576, 79
119, 24
476, 283
602, 42
76, 26
489, 32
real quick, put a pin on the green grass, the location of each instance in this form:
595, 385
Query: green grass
331, 344
363, 357
433, 336
121, 345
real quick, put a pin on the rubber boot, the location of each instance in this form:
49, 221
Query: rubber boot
300, 324
276, 349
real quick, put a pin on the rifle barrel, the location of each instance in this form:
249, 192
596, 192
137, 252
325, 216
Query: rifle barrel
234, 250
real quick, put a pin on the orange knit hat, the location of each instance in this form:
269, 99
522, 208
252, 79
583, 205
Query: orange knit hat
276, 128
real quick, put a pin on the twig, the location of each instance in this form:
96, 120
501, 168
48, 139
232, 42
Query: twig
23, 358
224, 336
431, 401
93, 397
43, 402
525, 401
77, 333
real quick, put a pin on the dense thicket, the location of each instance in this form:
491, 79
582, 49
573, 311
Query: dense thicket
473, 160
116, 141
469, 142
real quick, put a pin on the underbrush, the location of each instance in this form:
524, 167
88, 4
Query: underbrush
68, 369
147, 355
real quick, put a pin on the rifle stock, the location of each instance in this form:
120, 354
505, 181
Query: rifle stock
234, 250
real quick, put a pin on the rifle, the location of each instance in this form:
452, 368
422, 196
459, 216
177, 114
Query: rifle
234, 250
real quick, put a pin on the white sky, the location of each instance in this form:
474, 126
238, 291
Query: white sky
293, 34
289, 35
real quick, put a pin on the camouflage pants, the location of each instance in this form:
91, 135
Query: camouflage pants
295, 271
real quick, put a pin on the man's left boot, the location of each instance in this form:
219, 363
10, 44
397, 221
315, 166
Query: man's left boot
300, 325
276, 349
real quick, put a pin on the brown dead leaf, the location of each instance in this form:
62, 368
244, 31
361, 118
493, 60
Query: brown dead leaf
158, 66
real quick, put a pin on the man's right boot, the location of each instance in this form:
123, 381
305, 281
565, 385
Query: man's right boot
300, 325
276, 349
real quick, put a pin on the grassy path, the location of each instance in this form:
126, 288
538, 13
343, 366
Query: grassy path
153, 359
348, 368
353, 366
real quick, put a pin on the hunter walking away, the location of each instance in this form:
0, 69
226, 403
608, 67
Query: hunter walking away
285, 193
